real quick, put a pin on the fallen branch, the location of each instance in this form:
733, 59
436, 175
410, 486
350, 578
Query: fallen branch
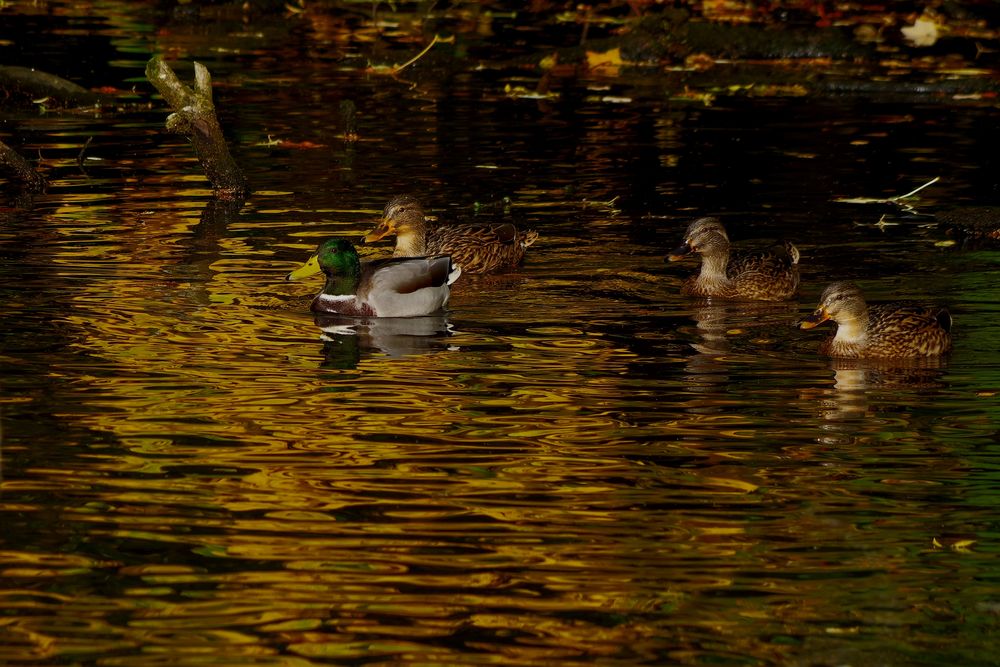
899, 199
16, 168
194, 117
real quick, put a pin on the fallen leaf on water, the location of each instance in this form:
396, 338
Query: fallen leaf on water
699, 62
693, 95
923, 32
604, 59
521, 92
963, 546
303, 145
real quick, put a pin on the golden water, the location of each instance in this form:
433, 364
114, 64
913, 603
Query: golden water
572, 465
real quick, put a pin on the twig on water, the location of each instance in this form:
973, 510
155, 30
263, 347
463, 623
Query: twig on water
396, 69
888, 200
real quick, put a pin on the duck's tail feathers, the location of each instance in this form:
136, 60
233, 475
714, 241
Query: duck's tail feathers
943, 318
793, 252
530, 236
455, 273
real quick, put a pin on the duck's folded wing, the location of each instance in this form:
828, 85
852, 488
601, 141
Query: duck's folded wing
906, 329
404, 275
485, 234
911, 317
406, 286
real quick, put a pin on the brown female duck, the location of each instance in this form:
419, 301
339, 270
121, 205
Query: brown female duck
770, 275
884, 331
475, 248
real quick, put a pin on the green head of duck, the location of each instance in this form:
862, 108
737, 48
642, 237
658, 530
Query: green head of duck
339, 262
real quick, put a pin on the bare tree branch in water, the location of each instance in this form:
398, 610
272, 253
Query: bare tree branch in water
194, 117
16, 168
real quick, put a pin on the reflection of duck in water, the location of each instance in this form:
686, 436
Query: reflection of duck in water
770, 275
475, 248
398, 287
892, 331
848, 408
721, 324
394, 336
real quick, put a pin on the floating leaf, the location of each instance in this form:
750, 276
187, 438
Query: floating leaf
963, 545
604, 59
520, 92
923, 32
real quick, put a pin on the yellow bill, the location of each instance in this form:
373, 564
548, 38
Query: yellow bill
310, 268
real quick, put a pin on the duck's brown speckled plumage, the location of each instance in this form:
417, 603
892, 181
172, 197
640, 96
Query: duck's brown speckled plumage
901, 330
475, 248
767, 275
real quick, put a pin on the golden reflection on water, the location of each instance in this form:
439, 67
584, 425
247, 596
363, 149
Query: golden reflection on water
573, 464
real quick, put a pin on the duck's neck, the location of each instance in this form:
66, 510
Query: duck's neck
412, 241
341, 284
713, 267
852, 330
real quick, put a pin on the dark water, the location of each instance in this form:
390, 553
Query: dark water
574, 465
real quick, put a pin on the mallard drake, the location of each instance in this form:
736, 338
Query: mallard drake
770, 275
475, 248
899, 330
398, 287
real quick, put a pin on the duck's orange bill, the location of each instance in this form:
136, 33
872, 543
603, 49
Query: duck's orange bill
817, 318
380, 231
680, 252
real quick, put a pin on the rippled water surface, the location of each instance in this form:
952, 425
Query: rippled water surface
573, 465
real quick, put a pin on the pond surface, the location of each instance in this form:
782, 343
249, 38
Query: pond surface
573, 465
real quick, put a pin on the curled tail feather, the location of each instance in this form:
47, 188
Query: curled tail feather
793, 252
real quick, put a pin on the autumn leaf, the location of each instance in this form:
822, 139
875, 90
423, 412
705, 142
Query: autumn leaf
607, 61
303, 145
923, 32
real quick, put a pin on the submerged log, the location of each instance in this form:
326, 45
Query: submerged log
27, 85
16, 168
194, 117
